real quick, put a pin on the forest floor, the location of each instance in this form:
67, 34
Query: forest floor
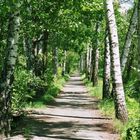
74, 116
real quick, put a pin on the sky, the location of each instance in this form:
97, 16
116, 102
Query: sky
125, 5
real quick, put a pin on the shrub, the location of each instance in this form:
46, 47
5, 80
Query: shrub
21, 92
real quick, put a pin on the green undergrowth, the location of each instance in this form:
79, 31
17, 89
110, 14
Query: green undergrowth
50, 94
30, 91
128, 131
94, 91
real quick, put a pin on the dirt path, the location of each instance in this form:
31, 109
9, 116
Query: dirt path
74, 116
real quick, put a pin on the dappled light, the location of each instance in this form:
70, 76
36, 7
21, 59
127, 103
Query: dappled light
69, 69
69, 118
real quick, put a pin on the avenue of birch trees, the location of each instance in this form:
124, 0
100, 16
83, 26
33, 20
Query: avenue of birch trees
42, 41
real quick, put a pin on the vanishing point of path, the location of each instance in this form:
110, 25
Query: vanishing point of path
74, 116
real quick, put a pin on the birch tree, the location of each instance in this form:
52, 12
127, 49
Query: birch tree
106, 73
119, 98
55, 61
87, 61
95, 56
45, 50
128, 40
28, 52
7, 75
64, 63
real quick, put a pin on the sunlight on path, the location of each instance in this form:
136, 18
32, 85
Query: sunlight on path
74, 116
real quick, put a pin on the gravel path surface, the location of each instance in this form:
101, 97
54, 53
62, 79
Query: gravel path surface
74, 116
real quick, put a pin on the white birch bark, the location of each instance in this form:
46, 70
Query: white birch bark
120, 105
64, 63
7, 75
82, 63
128, 40
90, 62
87, 61
55, 61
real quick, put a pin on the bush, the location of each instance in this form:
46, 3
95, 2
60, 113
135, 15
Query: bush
132, 89
21, 92
53, 91
132, 130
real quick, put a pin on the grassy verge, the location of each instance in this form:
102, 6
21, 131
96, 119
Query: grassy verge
128, 131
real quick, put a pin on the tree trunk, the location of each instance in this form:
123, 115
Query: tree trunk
120, 105
139, 41
90, 64
7, 75
128, 40
94, 77
55, 61
95, 57
87, 61
106, 73
127, 74
45, 50
64, 63
28, 52
82, 63
35, 59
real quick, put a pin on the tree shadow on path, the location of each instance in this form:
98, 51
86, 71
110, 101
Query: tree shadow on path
74, 116
62, 129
